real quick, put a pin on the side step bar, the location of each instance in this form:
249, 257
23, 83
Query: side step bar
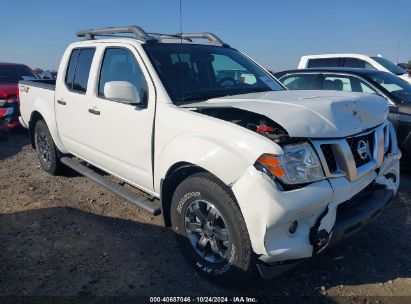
128, 195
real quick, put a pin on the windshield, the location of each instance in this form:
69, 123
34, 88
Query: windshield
390, 66
192, 72
398, 87
15, 73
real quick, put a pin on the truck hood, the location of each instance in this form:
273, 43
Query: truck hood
314, 114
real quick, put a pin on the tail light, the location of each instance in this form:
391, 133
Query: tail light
8, 105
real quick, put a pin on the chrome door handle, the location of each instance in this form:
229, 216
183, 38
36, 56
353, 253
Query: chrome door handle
93, 111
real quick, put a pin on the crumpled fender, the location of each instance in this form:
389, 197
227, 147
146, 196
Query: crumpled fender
226, 160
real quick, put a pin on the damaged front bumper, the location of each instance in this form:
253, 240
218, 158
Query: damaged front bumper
289, 226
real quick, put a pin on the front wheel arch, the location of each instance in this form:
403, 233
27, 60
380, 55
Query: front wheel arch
239, 260
175, 175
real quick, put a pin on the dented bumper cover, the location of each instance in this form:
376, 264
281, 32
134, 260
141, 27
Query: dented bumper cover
334, 207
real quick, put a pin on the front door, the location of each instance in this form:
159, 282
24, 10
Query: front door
119, 133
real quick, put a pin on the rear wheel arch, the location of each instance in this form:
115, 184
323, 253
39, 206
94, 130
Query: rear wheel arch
35, 117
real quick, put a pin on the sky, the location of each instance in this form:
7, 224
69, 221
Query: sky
274, 33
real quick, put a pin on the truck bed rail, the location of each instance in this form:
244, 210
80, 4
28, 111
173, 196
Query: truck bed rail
48, 84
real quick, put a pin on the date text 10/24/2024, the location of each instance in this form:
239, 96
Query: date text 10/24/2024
238, 299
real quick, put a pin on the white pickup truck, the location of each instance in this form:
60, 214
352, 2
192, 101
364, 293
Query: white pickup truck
353, 61
248, 175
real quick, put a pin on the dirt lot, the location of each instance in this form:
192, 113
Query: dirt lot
68, 236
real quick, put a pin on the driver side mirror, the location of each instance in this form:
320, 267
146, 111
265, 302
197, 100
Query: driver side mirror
122, 91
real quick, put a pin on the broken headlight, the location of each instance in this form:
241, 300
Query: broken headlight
298, 165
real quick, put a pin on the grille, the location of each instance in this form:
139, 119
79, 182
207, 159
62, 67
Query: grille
329, 158
348, 156
353, 143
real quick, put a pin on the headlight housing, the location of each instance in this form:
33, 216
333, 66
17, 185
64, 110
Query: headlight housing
298, 165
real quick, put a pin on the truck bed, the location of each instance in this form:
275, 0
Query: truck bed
49, 84
36, 95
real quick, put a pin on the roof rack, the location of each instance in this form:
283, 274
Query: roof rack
189, 37
209, 36
138, 32
141, 35
169, 36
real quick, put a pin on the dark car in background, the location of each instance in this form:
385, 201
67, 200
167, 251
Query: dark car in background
10, 75
396, 90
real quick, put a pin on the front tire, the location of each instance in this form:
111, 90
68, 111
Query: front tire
46, 149
210, 230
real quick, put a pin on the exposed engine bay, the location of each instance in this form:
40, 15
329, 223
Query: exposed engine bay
252, 121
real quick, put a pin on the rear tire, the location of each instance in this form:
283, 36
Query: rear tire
210, 230
46, 149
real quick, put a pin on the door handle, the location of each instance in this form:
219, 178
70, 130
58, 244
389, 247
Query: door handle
93, 111
61, 102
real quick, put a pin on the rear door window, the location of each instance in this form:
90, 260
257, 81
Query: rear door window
345, 83
300, 82
324, 62
78, 69
71, 68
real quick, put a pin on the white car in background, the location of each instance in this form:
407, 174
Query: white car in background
353, 61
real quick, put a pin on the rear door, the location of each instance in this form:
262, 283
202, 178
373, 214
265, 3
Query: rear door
72, 101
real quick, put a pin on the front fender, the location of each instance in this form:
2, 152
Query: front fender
226, 160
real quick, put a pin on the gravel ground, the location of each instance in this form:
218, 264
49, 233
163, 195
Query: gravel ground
67, 236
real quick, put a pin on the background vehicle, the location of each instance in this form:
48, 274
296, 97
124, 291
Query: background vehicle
352, 61
397, 92
10, 75
241, 178
48, 75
